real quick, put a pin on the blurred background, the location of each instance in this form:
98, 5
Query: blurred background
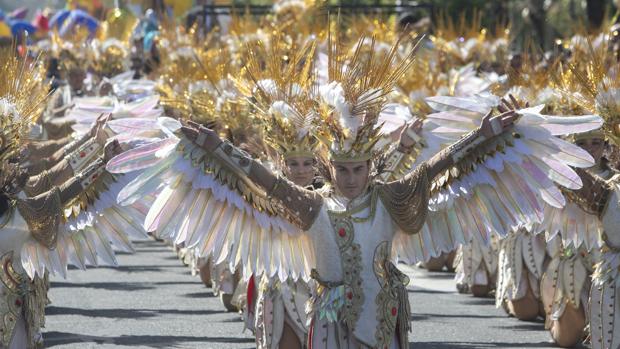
541, 22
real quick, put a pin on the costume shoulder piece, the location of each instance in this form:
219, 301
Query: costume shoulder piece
298, 205
43, 214
406, 200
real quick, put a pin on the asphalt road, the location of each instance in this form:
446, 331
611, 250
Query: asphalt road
152, 301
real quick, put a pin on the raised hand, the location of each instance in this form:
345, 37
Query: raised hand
204, 137
495, 125
98, 129
512, 104
111, 149
410, 135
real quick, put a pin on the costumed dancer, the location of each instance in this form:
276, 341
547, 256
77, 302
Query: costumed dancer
65, 215
34, 237
522, 257
588, 223
241, 211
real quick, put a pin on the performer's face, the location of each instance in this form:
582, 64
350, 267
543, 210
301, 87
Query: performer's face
594, 146
351, 177
300, 170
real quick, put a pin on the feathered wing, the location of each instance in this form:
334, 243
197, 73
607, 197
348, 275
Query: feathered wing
576, 226
86, 110
94, 227
202, 206
505, 185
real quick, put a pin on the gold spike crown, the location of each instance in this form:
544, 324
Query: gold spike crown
354, 97
595, 86
289, 131
279, 85
22, 93
110, 57
111, 49
70, 50
22, 96
466, 40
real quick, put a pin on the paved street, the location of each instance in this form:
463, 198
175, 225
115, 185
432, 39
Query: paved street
152, 301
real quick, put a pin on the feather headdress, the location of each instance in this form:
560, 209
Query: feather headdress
592, 82
355, 95
22, 93
22, 96
280, 87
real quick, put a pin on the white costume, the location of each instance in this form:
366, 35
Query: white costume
287, 232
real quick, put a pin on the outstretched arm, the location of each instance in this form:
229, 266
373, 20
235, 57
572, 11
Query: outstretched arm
74, 186
233, 157
295, 204
72, 163
90, 142
407, 199
43, 213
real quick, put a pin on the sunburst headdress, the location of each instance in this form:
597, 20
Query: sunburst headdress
110, 52
280, 87
593, 83
355, 95
70, 50
22, 96
466, 40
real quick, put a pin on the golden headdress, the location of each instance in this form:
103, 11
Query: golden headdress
110, 52
280, 88
355, 95
592, 81
466, 40
22, 96
71, 50
109, 57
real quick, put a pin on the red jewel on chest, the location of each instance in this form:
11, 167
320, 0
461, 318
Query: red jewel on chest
82, 154
350, 295
18, 302
342, 232
394, 310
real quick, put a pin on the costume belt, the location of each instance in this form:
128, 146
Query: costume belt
328, 299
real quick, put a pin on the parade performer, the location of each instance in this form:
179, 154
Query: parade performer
592, 86
358, 223
476, 265
67, 215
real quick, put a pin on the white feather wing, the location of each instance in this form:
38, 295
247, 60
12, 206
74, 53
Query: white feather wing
507, 187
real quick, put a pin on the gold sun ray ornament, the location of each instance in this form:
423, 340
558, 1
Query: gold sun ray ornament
279, 85
357, 91
22, 97
465, 40
592, 82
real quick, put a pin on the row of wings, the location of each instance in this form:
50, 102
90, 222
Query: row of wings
167, 185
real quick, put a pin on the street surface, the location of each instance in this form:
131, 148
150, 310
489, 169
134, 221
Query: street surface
152, 301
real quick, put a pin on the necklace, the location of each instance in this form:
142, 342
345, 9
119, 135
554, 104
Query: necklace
350, 211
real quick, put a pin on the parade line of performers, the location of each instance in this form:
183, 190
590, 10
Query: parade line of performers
294, 160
